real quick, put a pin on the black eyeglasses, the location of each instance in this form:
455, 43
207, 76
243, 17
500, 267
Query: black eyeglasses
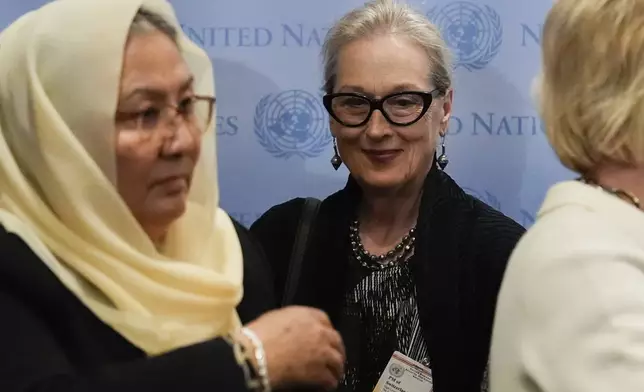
401, 109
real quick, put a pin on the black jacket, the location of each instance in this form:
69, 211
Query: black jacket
49, 341
462, 248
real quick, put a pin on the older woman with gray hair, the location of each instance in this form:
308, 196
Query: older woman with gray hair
570, 315
402, 259
118, 269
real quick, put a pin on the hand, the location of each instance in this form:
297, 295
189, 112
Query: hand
302, 347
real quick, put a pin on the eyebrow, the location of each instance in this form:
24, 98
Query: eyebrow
396, 89
157, 93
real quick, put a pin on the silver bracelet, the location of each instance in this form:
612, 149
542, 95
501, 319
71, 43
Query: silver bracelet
260, 357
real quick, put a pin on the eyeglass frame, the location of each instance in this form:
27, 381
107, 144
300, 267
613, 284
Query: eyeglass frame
207, 98
377, 104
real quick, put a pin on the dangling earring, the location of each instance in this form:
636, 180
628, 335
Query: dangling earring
336, 161
442, 159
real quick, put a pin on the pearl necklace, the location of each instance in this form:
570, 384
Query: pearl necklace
378, 262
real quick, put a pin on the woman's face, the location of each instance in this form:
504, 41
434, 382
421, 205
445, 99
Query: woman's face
378, 154
156, 155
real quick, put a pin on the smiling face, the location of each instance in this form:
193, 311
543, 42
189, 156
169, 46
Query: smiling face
155, 159
378, 154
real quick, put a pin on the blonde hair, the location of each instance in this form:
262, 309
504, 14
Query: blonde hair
388, 17
591, 91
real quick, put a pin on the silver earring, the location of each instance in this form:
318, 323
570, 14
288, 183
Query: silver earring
442, 159
336, 161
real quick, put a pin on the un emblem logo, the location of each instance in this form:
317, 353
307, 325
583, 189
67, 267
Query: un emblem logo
292, 122
485, 197
396, 370
473, 32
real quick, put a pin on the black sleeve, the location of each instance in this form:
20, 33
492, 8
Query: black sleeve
31, 360
496, 237
275, 231
259, 296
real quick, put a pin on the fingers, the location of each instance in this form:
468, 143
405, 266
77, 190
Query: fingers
334, 357
315, 313
335, 363
329, 380
308, 345
321, 316
335, 340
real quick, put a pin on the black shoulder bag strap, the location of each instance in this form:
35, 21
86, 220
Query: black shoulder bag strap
307, 220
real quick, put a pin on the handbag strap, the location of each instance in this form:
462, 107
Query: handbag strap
307, 220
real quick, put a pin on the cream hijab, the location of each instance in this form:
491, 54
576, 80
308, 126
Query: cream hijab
59, 81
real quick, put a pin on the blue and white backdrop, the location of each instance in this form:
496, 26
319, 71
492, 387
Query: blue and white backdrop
273, 136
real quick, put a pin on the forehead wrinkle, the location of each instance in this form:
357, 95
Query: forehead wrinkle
383, 64
153, 63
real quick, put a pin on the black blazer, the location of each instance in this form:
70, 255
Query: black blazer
49, 341
462, 247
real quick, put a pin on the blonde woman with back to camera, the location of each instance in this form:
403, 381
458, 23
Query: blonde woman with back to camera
118, 270
570, 315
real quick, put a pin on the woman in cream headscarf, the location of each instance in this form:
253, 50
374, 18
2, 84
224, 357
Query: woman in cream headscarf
118, 270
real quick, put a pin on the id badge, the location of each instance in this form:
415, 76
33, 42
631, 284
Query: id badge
403, 374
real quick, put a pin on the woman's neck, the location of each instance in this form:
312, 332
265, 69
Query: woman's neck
628, 179
387, 216
157, 236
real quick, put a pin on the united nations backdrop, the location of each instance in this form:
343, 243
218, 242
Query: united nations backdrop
273, 132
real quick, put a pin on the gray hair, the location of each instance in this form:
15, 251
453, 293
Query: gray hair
146, 21
388, 17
